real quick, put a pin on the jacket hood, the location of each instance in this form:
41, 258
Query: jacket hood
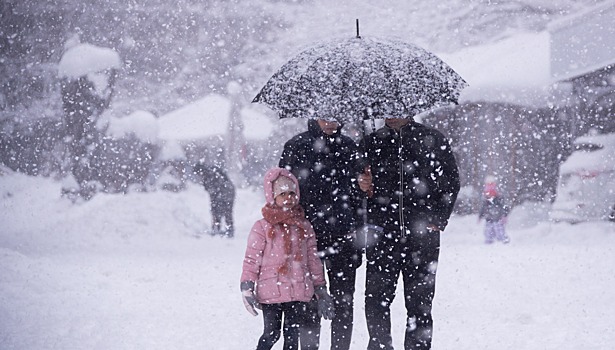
271, 176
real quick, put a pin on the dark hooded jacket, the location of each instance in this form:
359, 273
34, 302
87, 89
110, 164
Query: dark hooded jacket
324, 166
493, 209
219, 186
415, 177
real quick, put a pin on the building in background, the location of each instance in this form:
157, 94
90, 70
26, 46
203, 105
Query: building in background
206, 130
583, 65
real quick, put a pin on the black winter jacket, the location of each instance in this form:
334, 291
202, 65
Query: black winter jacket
493, 209
324, 166
217, 183
415, 177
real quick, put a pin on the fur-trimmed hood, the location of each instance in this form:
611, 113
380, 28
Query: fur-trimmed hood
271, 176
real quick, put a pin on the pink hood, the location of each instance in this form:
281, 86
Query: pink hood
267, 252
273, 174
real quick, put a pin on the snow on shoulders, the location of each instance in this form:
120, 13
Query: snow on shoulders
84, 59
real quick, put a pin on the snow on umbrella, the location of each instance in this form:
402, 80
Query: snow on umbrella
351, 79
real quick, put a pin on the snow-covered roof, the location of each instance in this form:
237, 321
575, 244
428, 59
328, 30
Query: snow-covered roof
205, 117
209, 116
600, 160
83, 59
142, 124
583, 43
516, 63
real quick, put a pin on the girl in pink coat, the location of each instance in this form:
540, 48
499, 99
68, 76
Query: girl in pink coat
281, 268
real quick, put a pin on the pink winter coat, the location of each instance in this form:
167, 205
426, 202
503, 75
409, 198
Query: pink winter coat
266, 260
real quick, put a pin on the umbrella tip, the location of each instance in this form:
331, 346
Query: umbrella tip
358, 36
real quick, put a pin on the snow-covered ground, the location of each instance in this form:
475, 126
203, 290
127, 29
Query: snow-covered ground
136, 272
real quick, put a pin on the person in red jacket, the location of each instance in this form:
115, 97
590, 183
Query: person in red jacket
281, 269
495, 211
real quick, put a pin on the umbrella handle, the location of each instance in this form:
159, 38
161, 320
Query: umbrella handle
367, 116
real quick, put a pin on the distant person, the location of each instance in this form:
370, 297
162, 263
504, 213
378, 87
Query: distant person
82, 107
412, 181
281, 268
495, 211
323, 160
222, 197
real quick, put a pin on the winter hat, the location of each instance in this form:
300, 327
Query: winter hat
272, 175
283, 184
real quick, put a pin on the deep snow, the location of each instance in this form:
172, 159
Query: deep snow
137, 272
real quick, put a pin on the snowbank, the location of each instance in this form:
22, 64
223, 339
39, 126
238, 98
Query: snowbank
139, 271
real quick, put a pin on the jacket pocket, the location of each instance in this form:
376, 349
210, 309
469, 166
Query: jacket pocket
268, 286
309, 289
308, 285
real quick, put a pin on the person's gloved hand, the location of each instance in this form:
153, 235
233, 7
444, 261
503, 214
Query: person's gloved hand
365, 181
249, 299
326, 309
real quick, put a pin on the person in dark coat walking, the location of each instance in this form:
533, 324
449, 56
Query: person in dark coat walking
412, 181
222, 197
324, 162
495, 211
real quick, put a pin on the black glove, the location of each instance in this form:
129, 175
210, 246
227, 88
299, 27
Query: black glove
249, 300
325, 303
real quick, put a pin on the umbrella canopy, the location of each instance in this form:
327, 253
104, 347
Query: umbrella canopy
351, 79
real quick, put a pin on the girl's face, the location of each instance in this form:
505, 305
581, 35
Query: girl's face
286, 200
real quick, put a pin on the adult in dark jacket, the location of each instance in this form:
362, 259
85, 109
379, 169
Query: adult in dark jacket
323, 160
412, 181
222, 197
82, 106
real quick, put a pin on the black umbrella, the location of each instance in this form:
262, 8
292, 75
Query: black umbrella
351, 79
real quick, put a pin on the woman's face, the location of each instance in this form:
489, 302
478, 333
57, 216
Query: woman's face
286, 200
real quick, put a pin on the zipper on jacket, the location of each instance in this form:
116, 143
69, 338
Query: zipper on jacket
401, 185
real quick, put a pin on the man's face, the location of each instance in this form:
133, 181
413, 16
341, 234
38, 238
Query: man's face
396, 123
328, 127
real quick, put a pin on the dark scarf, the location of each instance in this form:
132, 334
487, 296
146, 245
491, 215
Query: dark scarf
285, 218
